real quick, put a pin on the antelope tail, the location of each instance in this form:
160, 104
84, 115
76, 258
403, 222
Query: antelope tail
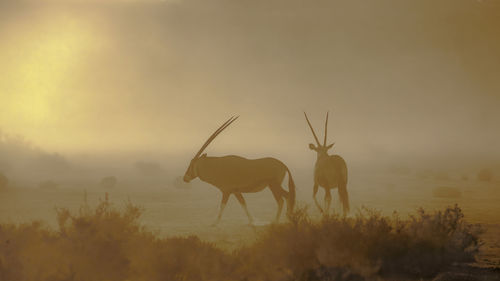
291, 194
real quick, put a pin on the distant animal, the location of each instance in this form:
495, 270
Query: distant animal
330, 171
236, 175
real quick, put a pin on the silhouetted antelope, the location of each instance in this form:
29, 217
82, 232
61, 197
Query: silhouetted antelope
330, 172
236, 175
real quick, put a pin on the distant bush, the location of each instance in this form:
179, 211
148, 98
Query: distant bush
485, 175
108, 182
104, 243
425, 174
149, 168
48, 185
4, 182
441, 175
446, 192
50, 163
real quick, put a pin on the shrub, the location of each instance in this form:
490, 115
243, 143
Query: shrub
424, 174
368, 245
104, 243
48, 185
149, 168
108, 182
441, 175
485, 175
446, 192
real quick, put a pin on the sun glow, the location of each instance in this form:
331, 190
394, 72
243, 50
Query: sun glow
47, 63
39, 64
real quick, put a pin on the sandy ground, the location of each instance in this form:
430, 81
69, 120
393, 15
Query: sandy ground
172, 211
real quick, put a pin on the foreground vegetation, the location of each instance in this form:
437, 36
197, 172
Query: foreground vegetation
105, 243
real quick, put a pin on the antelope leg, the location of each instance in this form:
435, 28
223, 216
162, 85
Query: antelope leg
225, 197
328, 200
315, 190
244, 205
278, 196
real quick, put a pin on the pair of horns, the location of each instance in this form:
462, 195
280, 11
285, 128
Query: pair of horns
232, 119
217, 132
312, 130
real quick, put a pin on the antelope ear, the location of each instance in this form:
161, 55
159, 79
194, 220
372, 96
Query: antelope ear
312, 147
204, 155
330, 146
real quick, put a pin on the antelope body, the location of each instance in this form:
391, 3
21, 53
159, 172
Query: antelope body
236, 175
330, 171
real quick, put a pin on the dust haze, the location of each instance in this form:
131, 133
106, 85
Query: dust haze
117, 96
401, 79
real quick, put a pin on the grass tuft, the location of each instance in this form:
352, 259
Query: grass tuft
105, 243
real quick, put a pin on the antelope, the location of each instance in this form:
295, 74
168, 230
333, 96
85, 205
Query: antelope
233, 174
330, 171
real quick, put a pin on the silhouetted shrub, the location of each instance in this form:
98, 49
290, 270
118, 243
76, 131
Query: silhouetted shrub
50, 163
441, 175
104, 243
485, 175
446, 192
149, 168
108, 182
4, 181
367, 245
424, 174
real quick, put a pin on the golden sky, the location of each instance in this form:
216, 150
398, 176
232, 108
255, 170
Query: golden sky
398, 77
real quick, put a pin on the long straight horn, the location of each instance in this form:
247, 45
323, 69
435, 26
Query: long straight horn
218, 131
326, 128
312, 130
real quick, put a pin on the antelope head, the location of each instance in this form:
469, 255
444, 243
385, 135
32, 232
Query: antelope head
191, 172
321, 149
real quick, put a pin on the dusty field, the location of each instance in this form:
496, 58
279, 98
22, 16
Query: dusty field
172, 212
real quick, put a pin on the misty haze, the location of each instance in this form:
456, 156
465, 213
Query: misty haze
261, 140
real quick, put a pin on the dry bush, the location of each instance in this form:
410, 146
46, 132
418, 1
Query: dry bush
48, 185
108, 182
446, 192
366, 246
425, 174
441, 175
104, 243
149, 168
485, 175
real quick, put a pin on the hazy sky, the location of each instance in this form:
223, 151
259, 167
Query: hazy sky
399, 77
